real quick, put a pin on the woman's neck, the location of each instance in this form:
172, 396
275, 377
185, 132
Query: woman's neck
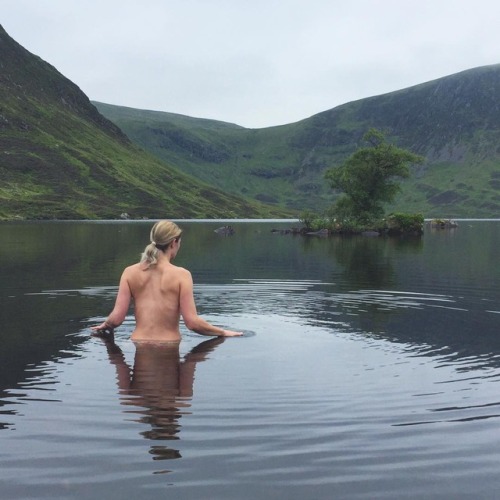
165, 256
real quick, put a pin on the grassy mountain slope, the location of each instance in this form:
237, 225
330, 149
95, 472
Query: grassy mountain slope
60, 158
454, 122
257, 162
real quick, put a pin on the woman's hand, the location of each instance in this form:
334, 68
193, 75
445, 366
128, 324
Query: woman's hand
231, 333
102, 329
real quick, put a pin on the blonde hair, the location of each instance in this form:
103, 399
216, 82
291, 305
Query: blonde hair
163, 233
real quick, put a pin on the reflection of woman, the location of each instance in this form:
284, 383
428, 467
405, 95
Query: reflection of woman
160, 386
161, 293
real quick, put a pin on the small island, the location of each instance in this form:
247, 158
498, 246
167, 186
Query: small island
367, 180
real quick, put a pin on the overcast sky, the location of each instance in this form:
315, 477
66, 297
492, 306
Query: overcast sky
257, 63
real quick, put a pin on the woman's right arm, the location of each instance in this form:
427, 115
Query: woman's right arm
120, 310
190, 315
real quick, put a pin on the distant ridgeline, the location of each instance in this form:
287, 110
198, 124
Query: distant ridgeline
60, 158
454, 122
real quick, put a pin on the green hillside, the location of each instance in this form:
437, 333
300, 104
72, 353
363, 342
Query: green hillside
454, 122
60, 158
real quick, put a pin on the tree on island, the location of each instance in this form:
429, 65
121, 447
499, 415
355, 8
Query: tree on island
368, 179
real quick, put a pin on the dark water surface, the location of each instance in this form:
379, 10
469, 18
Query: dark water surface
368, 369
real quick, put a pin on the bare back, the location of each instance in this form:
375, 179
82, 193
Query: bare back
162, 293
156, 294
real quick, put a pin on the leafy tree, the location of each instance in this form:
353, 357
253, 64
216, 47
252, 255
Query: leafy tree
370, 177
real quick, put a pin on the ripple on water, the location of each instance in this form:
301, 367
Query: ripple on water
311, 404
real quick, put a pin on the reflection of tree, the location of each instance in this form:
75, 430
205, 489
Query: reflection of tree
159, 387
365, 261
366, 265
369, 262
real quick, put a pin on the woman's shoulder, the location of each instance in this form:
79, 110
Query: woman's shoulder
181, 270
179, 273
134, 268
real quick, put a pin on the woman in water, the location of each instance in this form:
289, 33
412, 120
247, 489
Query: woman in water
161, 291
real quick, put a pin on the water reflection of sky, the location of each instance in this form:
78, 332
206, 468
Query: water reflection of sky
283, 408
463, 326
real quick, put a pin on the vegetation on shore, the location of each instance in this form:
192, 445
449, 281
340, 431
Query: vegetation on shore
392, 225
61, 159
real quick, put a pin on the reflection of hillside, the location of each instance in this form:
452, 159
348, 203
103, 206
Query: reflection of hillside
41, 256
44, 266
368, 296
